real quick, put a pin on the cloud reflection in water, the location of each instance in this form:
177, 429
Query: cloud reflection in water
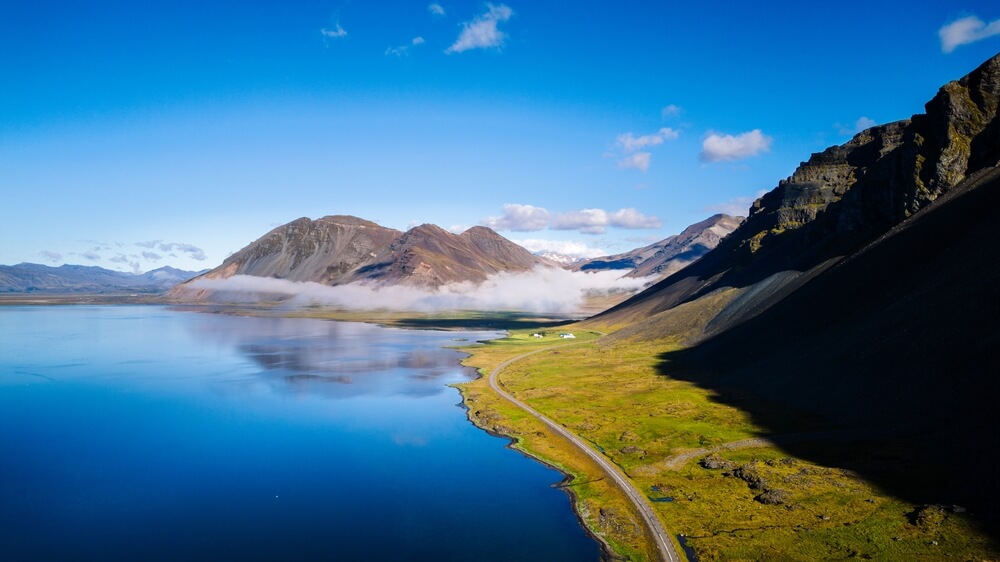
342, 359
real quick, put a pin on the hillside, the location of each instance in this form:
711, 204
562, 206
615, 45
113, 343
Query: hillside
670, 255
832, 206
862, 289
36, 278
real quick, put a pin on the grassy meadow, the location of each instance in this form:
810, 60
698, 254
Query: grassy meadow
755, 502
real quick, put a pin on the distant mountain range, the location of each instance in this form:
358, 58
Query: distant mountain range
864, 289
36, 278
670, 255
339, 249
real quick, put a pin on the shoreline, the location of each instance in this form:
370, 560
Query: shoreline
620, 525
607, 552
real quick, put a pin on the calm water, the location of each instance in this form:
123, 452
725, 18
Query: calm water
141, 433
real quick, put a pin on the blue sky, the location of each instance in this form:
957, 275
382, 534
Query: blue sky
136, 136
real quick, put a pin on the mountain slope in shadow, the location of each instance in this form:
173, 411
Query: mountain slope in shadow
900, 343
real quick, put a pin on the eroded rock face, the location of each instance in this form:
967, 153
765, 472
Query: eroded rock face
886, 173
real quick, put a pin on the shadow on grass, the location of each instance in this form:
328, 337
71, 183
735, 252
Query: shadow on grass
897, 347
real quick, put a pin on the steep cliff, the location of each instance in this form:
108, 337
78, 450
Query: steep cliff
832, 206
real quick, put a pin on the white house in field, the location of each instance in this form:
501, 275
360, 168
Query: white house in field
567, 336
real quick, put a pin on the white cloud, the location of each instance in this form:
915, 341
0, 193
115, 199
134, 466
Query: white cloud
718, 148
520, 218
527, 218
152, 256
670, 111
639, 161
966, 30
632, 143
90, 255
587, 221
51, 256
737, 207
193, 252
863, 123
544, 289
572, 248
631, 218
404, 50
482, 32
596, 221
334, 33
436, 9
860, 125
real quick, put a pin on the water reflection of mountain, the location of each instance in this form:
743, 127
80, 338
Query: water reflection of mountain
341, 359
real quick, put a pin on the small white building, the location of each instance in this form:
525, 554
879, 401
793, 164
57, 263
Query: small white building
537, 335
567, 336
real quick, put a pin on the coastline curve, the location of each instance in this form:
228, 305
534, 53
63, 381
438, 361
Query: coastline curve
664, 546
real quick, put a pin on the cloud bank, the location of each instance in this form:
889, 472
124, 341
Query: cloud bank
528, 218
720, 148
519, 218
542, 290
966, 30
570, 248
482, 32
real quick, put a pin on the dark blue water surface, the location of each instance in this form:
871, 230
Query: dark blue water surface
143, 433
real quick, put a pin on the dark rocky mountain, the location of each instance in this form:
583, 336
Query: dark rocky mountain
863, 292
36, 278
669, 255
832, 206
336, 250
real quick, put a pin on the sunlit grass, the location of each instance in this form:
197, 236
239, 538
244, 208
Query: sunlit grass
612, 396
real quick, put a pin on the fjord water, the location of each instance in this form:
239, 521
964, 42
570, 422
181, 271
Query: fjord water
143, 433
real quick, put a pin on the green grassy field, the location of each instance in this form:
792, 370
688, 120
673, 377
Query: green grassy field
759, 503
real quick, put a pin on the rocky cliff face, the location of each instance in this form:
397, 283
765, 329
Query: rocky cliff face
886, 173
834, 204
336, 250
669, 255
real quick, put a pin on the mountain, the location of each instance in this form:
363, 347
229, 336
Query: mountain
430, 256
832, 206
36, 278
862, 290
669, 255
336, 250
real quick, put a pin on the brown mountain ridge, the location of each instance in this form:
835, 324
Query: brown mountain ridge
340, 249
